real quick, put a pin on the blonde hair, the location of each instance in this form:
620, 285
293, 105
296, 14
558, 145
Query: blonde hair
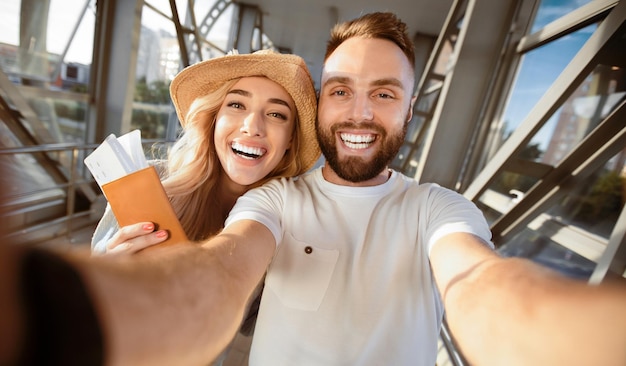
194, 170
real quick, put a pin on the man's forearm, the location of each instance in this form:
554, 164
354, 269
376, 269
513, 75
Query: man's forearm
47, 316
514, 312
176, 305
13, 317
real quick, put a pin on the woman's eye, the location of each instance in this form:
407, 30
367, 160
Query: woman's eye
236, 105
278, 115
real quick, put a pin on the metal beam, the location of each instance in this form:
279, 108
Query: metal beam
605, 141
573, 74
455, 118
614, 257
114, 67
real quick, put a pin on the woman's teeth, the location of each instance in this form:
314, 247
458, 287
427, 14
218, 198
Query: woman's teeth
247, 152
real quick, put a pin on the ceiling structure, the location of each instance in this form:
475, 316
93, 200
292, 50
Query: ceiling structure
303, 26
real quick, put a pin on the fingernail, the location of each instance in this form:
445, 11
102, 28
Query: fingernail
148, 227
161, 234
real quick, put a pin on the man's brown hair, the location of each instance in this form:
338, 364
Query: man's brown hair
384, 25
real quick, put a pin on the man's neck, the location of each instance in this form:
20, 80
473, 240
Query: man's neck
330, 176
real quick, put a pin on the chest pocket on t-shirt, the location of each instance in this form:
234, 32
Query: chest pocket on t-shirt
300, 273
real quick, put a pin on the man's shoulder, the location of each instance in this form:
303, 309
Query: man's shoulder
413, 183
304, 178
430, 189
283, 185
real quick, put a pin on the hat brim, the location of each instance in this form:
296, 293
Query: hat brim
289, 71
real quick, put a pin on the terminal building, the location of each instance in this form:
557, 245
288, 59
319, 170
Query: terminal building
520, 108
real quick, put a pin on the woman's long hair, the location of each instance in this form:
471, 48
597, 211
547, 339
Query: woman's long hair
193, 168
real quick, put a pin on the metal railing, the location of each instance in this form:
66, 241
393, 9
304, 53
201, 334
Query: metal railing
77, 179
74, 180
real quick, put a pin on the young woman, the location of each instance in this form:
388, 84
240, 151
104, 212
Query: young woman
246, 118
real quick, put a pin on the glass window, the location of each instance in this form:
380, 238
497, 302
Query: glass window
595, 205
541, 249
51, 37
158, 60
594, 99
571, 235
49, 46
551, 10
538, 71
159, 57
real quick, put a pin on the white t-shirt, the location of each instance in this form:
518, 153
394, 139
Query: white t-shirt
350, 283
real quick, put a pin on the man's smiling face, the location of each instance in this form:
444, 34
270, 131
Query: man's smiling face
364, 107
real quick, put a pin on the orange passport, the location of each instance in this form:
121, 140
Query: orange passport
140, 196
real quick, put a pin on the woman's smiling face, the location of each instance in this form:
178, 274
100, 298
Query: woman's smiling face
254, 129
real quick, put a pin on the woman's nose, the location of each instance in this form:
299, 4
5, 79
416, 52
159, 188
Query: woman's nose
252, 125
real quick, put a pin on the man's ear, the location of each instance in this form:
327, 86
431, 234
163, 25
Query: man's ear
409, 115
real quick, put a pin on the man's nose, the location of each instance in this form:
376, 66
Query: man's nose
362, 108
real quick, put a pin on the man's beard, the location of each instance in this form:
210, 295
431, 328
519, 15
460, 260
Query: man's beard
356, 169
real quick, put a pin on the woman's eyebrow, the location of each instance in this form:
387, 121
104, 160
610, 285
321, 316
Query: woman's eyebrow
279, 101
241, 92
246, 93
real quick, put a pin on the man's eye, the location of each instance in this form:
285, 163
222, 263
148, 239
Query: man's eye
340, 92
385, 96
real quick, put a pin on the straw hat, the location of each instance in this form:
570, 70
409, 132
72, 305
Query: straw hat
289, 71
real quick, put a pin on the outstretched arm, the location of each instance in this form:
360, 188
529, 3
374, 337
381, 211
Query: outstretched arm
511, 311
180, 304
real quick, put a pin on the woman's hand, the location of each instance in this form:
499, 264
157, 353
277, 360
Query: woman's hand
133, 238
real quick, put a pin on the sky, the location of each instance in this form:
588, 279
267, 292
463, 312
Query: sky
542, 66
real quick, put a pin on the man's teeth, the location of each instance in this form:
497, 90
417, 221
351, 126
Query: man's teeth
357, 141
247, 152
